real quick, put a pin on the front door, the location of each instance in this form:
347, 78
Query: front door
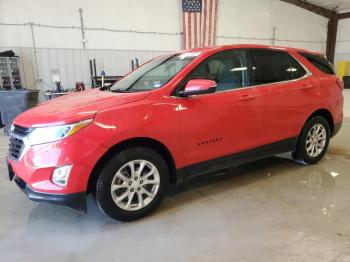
225, 122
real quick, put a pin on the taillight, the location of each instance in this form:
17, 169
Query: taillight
340, 84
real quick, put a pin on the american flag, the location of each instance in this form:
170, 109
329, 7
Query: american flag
199, 23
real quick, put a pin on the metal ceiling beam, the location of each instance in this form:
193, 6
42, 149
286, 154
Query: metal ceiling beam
332, 37
312, 8
343, 15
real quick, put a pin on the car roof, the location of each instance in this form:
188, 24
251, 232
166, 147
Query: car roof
224, 47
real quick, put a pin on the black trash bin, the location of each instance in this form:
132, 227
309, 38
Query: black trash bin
346, 80
12, 103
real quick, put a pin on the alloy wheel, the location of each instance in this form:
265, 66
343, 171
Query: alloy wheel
135, 185
316, 140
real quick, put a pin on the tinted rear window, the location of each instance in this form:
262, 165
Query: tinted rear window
320, 62
272, 66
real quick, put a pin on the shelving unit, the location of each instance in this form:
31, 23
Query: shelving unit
10, 74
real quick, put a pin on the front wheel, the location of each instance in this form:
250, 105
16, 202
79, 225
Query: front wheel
313, 141
132, 184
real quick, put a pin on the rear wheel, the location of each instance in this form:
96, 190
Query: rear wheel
132, 184
313, 141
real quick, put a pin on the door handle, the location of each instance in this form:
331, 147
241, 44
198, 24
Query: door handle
246, 97
306, 86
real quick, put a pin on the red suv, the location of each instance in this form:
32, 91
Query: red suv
176, 117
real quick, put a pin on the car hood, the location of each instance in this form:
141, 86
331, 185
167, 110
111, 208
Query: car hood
74, 107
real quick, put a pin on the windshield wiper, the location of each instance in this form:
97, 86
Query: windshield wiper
119, 91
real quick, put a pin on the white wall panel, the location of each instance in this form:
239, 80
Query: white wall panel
297, 27
239, 21
236, 19
248, 19
138, 15
343, 37
342, 50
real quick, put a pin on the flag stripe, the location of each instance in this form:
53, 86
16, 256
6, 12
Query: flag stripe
195, 29
200, 30
184, 31
210, 21
204, 23
215, 19
189, 31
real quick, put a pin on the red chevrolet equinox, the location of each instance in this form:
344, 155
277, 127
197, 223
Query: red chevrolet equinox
176, 117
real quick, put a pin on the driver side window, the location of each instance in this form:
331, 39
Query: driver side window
229, 69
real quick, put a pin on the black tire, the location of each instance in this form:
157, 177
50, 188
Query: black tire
103, 193
301, 154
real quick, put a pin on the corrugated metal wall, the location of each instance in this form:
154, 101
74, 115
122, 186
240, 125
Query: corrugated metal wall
73, 64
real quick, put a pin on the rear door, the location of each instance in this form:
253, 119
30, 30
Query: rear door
286, 92
224, 122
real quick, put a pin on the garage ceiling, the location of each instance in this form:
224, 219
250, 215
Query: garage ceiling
336, 5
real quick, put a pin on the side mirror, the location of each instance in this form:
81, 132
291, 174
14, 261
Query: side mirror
198, 87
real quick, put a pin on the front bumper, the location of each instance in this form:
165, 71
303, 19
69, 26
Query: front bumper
76, 201
37, 164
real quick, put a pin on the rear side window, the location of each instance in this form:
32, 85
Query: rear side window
320, 62
270, 66
296, 70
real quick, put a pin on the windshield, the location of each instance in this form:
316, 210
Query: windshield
154, 74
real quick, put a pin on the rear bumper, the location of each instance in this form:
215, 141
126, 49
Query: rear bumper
336, 128
76, 201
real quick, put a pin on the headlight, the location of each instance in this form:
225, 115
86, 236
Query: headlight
41, 135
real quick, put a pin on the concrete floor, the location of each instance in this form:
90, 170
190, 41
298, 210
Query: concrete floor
272, 210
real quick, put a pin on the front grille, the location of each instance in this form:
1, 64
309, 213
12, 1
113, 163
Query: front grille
16, 141
16, 147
